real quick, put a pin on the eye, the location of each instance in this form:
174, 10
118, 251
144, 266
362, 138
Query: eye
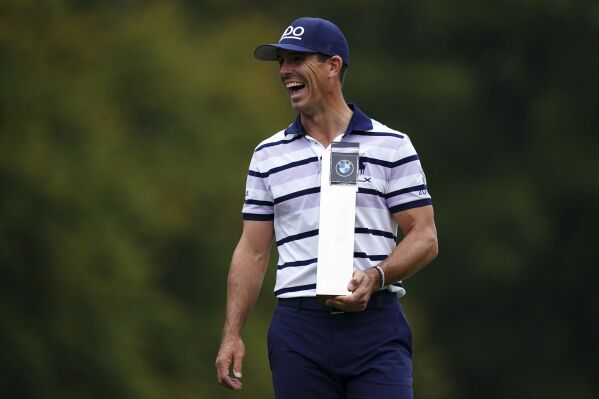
299, 59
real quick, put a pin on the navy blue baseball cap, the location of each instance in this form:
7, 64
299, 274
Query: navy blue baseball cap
308, 35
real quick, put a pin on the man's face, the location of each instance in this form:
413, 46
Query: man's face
305, 79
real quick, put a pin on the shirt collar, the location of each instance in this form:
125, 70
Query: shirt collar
359, 122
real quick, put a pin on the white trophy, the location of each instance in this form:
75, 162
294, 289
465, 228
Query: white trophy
338, 191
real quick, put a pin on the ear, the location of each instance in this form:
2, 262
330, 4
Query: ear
335, 66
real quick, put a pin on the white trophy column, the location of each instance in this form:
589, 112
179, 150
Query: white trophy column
336, 233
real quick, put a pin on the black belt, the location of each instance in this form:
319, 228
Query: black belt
377, 300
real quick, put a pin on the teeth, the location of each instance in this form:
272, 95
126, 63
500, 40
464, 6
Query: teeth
293, 84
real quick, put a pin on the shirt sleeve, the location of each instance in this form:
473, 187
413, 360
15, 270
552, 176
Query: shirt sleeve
407, 186
258, 204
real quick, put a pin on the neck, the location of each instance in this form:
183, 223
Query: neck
328, 122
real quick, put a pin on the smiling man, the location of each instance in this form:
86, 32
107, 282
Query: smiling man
357, 345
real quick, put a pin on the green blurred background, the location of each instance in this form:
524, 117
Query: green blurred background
126, 132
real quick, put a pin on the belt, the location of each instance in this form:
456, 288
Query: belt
377, 300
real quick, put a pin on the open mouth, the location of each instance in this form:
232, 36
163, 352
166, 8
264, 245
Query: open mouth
295, 87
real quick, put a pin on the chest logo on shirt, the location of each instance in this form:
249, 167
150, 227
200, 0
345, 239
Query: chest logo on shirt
344, 168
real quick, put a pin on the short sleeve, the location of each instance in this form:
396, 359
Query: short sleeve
407, 186
258, 204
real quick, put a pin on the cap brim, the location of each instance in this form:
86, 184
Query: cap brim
270, 52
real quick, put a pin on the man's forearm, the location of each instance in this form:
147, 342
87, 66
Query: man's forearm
416, 250
244, 282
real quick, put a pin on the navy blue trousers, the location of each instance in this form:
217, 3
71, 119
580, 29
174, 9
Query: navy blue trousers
317, 353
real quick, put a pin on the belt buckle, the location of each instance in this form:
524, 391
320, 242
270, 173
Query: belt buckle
334, 311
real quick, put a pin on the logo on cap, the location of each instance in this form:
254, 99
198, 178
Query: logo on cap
292, 33
344, 168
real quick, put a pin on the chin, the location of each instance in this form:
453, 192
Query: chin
297, 107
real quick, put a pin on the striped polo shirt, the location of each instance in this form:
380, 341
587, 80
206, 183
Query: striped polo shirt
283, 186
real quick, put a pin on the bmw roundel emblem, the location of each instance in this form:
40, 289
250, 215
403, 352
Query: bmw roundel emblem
344, 168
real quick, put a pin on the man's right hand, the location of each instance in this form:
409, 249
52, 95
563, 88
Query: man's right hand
230, 355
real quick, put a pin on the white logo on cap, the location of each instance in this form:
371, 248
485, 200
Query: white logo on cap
293, 33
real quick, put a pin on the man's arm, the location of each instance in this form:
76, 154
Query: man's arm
418, 247
246, 274
416, 250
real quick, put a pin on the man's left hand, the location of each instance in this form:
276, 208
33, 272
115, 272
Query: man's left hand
362, 285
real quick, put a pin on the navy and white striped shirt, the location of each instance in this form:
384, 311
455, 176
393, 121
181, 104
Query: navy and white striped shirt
283, 185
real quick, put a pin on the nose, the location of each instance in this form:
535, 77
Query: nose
284, 67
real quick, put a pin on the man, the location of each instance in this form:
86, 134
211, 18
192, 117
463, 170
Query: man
356, 345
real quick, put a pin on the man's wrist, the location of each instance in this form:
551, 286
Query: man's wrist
381, 273
231, 331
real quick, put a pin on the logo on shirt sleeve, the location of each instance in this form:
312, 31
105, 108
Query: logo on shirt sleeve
424, 190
